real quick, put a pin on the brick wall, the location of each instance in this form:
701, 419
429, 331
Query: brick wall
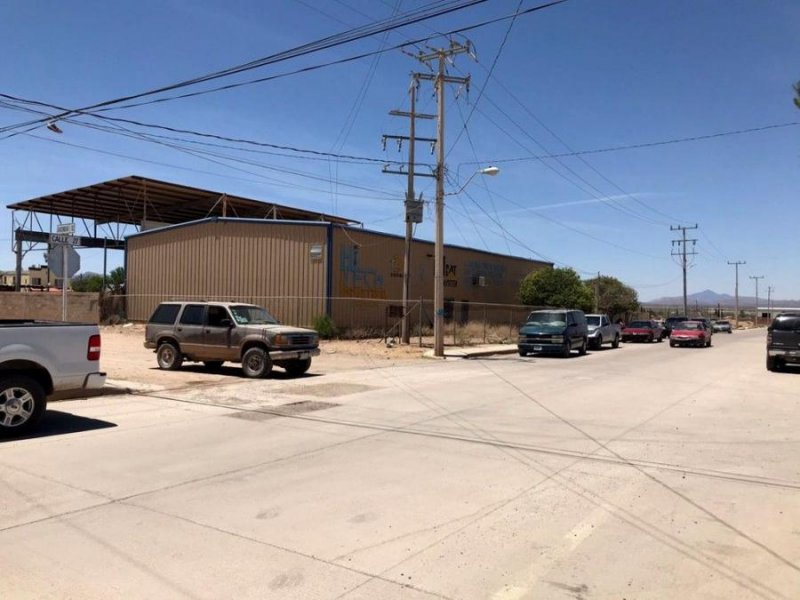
81, 308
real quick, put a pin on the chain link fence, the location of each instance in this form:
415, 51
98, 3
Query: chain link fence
357, 318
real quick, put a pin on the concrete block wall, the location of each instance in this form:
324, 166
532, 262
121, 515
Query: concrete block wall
81, 308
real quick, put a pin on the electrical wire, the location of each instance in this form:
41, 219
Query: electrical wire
680, 140
110, 104
541, 123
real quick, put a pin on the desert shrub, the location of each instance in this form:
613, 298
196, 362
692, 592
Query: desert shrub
325, 327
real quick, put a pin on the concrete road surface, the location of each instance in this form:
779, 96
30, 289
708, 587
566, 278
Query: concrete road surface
642, 472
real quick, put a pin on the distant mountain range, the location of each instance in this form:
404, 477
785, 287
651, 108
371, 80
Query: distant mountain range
711, 298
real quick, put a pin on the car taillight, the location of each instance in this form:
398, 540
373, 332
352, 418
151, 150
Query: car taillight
93, 350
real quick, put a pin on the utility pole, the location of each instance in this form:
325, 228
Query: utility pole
682, 252
770, 289
756, 278
736, 264
597, 293
413, 207
440, 79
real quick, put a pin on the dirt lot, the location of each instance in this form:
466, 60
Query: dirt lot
125, 359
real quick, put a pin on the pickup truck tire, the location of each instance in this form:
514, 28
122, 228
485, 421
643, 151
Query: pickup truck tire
169, 357
598, 342
295, 368
256, 363
773, 364
615, 343
22, 405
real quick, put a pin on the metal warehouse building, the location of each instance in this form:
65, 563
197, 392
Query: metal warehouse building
194, 243
301, 270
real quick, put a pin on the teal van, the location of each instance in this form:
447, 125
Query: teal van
554, 331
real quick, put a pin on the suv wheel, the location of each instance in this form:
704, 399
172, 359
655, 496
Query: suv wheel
582, 349
169, 357
22, 405
773, 364
567, 351
615, 343
256, 363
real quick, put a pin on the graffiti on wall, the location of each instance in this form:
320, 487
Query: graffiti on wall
359, 282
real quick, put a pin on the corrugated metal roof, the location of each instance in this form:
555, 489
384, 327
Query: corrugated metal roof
134, 199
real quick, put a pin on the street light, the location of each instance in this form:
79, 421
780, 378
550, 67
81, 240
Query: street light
491, 171
438, 279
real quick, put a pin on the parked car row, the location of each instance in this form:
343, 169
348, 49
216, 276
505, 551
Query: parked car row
560, 331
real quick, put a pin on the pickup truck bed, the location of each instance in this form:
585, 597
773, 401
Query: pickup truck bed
38, 358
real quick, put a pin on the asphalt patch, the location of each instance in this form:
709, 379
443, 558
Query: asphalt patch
265, 413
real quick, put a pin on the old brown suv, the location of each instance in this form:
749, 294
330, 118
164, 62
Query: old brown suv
216, 332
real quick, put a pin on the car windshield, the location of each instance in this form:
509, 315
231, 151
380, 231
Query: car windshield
723, 323
688, 325
593, 321
252, 315
548, 318
640, 324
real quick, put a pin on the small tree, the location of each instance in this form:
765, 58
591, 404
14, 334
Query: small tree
87, 282
556, 287
116, 280
614, 298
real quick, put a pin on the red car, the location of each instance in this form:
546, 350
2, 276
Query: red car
642, 331
690, 333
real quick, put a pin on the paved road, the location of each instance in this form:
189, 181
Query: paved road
643, 472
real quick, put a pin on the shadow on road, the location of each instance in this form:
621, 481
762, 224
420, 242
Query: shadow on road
56, 422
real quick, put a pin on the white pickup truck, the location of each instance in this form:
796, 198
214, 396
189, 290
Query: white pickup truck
602, 331
39, 358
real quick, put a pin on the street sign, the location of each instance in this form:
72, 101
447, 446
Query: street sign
55, 261
66, 228
64, 238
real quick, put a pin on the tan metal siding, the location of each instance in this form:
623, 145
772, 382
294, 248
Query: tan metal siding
368, 281
264, 263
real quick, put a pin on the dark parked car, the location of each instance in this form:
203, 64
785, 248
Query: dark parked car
554, 331
783, 341
642, 331
690, 333
670, 322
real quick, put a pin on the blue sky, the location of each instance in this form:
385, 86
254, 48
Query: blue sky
583, 75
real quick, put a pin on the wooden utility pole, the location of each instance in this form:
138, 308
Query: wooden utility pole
756, 278
440, 79
736, 264
682, 252
413, 207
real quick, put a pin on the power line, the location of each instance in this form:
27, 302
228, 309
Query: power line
187, 131
593, 191
324, 44
541, 123
681, 140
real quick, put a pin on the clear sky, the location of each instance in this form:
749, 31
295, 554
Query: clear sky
583, 75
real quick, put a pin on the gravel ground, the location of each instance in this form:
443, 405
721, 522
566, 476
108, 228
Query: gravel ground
125, 358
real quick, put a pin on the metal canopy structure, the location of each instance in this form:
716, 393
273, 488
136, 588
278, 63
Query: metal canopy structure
134, 200
139, 202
